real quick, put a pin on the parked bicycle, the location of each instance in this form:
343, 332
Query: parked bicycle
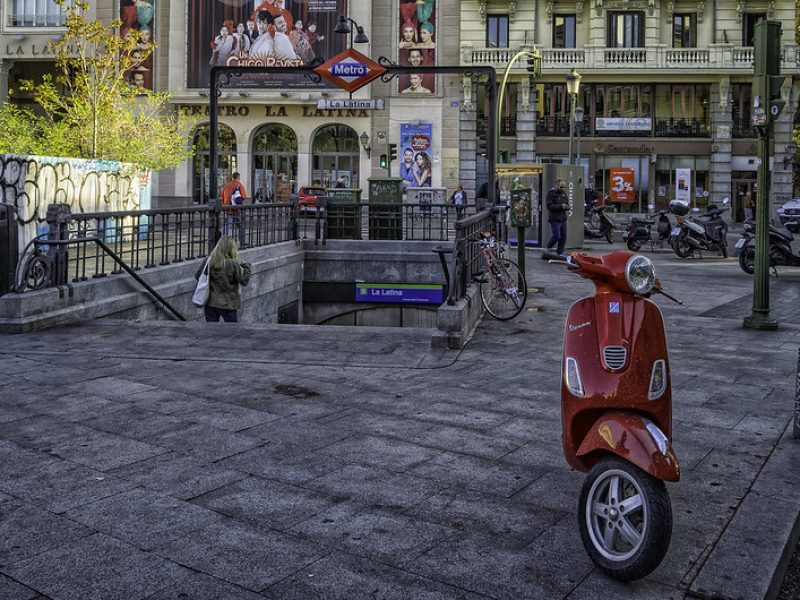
502, 283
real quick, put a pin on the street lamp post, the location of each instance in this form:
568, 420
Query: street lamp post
343, 27
578, 130
573, 85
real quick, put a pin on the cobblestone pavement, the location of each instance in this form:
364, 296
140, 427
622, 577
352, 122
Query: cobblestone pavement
142, 460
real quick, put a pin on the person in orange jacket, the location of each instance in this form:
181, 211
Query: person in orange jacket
233, 194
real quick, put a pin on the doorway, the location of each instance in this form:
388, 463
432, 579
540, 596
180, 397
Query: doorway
739, 189
226, 160
275, 163
336, 156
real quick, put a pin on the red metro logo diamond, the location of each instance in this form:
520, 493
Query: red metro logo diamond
350, 70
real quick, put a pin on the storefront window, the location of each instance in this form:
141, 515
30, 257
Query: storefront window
668, 170
336, 156
275, 162
606, 166
226, 160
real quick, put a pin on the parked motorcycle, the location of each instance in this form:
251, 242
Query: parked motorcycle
704, 232
616, 411
640, 231
780, 248
599, 225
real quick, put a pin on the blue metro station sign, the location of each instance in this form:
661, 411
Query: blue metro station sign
350, 70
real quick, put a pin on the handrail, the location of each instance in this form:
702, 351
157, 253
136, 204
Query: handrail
119, 261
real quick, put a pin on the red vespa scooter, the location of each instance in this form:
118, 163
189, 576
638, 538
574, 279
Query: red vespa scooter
616, 412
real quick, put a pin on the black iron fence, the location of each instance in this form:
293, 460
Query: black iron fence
137, 240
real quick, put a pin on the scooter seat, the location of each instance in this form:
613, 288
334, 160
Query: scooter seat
780, 231
644, 221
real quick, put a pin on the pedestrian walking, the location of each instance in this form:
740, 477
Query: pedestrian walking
225, 275
558, 213
234, 194
459, 200
747, 204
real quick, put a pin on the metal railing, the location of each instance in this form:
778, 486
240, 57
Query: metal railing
466, 260
325, 220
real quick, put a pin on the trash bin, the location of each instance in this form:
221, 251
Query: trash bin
343, 218
385, 208
9, 250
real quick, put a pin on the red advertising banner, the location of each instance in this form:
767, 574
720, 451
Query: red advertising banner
621, 182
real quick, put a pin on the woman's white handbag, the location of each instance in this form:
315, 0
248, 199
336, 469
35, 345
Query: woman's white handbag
201, 292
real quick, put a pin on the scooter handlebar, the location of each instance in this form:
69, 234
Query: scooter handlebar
670, 297
551, 256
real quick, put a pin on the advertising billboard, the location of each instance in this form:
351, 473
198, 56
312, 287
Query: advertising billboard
417, 45
621, 184
262, 33
137, 15
416, 166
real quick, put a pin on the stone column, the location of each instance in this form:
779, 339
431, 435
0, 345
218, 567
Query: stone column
5, 67
526, 121
782, 135
467, 155
721, 145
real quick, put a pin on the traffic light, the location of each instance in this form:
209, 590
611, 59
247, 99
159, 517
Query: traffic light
534, 64
392, 152
482, 148
384, 161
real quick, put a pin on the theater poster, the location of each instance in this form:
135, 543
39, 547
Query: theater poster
417, 45
271, 33
138, 15
416, 153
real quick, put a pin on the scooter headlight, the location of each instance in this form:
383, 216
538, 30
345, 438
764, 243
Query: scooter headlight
640, 274
658, 380
573, 377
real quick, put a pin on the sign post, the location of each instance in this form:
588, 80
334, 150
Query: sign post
767, 106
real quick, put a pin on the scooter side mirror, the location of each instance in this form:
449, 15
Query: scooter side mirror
695, 209
726, 200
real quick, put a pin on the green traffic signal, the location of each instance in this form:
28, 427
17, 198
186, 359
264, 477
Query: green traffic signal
384, 161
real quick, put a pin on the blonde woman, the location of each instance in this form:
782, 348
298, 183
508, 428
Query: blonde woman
225, 275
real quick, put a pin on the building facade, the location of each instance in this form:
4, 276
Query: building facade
664, 103
279, 133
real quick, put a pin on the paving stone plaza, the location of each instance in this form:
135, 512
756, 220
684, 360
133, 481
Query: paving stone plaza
171, 460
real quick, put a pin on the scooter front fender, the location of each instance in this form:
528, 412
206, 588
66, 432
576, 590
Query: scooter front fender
628, 435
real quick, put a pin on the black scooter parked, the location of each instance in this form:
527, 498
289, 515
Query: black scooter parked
640, 231
598, 225
780, 248
704, 232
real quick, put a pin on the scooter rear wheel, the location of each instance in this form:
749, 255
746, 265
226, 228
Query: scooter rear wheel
747, 259
625, 519
682, 248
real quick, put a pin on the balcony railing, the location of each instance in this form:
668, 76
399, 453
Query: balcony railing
714, 58
30, 13
743, 128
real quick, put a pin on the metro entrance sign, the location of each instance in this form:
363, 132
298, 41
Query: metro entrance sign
350, 70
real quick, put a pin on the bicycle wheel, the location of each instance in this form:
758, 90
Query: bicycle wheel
504, 290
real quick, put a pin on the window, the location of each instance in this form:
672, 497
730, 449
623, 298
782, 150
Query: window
684, 31
497, 31
625, 30
564, 31
749, 21
37, 13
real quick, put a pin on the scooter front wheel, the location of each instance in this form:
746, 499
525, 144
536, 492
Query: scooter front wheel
634, 244
625, 519
682, 248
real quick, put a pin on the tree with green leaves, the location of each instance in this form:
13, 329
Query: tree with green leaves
91, 109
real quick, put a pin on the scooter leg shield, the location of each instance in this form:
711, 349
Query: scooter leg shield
635, 439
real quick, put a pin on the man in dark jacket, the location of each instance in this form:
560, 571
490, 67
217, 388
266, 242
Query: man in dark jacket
558, 213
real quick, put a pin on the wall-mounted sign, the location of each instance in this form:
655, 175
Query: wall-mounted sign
683, 179
399, 293
351, 104
623, 124
350, 70
416, 167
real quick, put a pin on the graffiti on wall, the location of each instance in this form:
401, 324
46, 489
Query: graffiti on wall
31, 183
